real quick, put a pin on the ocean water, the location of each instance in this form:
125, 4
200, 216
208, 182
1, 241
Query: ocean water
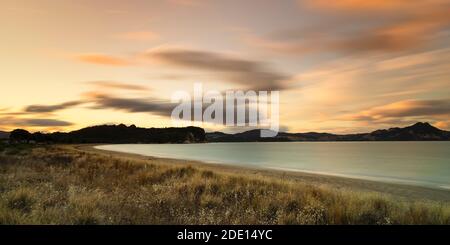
416, 163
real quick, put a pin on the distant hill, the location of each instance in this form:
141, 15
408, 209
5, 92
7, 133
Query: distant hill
417, 132
115, 134
4, 135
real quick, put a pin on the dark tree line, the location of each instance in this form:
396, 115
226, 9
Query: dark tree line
113, 134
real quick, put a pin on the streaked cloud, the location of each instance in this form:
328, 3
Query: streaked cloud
188, 3
404, 110
360, 5
350, 81
249, 73
371, 5
139, 36
51, 108
102, 59
134, 105
117, 85
33, 122
153, 106
443, 124
397, 25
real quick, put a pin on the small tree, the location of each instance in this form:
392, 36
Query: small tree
20, 136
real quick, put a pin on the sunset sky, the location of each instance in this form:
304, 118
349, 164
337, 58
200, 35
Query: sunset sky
340, 66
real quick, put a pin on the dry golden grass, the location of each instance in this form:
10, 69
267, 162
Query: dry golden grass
56, 185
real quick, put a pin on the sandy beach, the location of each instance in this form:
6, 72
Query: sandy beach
407, 192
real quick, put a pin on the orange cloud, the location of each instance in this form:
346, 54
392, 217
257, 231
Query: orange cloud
102, 59
139, 36
280, 46
189, 3
442, 125
411, 32
404, 110
117, 85
365, 5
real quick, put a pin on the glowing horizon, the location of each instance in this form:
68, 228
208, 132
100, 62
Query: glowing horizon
340, 67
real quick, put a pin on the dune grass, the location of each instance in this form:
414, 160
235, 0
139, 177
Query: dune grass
59, 185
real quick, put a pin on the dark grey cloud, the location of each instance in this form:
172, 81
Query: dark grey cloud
159, 107
252, 74
132, 105
155, 106
66, 105
40, 122
34, 122
51, 108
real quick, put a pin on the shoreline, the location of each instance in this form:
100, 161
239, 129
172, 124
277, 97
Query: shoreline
381, 179
398, 190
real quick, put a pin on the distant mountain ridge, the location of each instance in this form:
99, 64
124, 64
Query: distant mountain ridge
421, 131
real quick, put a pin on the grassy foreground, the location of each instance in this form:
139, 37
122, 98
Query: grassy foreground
60, 185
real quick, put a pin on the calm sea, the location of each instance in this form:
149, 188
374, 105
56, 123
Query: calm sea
417, 163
